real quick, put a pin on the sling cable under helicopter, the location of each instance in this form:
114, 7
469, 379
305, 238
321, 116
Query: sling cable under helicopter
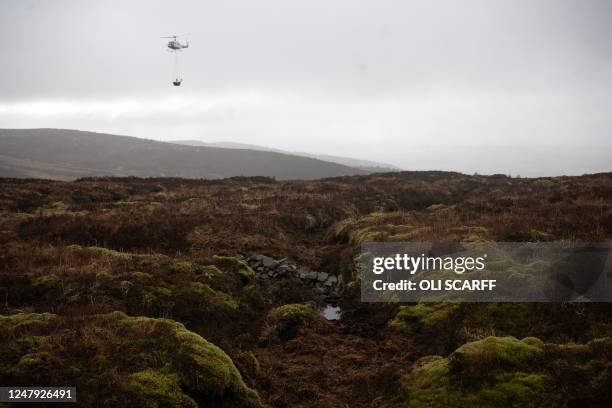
174, 46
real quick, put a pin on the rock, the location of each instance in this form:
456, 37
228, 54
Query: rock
283, 268
302, 272
322, 284
312, 275
267, 261
330, 281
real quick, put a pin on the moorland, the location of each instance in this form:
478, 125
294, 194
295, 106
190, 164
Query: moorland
154, 292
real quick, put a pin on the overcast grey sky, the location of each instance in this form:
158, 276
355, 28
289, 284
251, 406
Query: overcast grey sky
376, 79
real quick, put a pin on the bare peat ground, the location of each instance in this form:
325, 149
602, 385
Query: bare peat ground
327, 367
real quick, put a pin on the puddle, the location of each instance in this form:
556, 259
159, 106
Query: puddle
331, 312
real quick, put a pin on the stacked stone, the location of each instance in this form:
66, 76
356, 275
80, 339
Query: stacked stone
322, 283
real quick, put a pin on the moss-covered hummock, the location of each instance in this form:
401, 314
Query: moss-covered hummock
286, 320
495, 352
435, 207
414, 319
376, 226
159, 389
235, 265
212, 297
50, 281
300, 314
507, 372
111, 253
116, 360
144, 284
16, 324
493, 372
436, 325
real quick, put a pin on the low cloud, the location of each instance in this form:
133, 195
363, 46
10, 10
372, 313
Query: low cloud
375, 80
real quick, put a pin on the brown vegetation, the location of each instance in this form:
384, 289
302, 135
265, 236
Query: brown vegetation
165, 248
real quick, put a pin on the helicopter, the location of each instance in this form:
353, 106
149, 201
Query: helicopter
174, 46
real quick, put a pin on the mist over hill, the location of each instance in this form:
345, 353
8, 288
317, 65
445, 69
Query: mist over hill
69, 154
368, 165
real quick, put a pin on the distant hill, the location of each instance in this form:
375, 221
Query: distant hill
69, 154
368, 165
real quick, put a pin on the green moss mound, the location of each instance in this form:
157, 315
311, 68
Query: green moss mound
375, 226
50, 281
507, 372
116, 360
286, 320
442, 382
235, 265
299, 314
442, 327
16, 324
212, 297
155, 285
421, 317
434, 325
496, 352
159, 389
110, 253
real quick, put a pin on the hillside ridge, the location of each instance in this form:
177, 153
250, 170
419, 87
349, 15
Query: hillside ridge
70, 154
